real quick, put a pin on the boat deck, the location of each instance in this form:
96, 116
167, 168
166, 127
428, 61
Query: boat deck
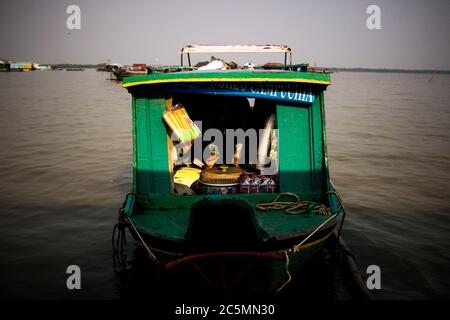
173, 222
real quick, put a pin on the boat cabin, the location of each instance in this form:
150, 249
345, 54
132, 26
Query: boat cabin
254, 131
214, 145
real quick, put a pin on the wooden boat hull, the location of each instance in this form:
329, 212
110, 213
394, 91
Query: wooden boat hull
258, 274
264, 270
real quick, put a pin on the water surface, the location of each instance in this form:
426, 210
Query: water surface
66, 164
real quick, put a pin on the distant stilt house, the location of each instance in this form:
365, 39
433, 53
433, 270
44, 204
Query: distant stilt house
4, 65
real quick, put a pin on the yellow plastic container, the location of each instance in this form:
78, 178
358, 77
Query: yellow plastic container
187, 176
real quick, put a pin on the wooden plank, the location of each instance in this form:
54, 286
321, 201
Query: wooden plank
300, 148
294, 148
317, 133
151, 169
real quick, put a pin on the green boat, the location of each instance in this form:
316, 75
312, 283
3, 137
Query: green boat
252, 213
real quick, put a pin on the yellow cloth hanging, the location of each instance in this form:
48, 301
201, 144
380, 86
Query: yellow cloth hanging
184, 128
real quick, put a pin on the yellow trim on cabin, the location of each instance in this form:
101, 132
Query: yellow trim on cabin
130, 84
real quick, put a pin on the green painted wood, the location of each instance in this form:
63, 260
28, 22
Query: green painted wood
301, 148
231, 75
151, 168
167, 216
167, 224
294, 148
134, 133
176, 202
332, 198
324, 144
317, 163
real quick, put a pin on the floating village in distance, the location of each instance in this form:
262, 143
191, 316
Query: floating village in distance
117, 70
13, 66
6, 65
120, 71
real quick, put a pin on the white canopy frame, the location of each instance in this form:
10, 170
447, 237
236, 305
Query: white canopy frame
192, 48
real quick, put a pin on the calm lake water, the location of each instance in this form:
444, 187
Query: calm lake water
66, 164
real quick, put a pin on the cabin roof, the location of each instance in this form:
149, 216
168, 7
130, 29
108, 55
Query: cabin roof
229, 76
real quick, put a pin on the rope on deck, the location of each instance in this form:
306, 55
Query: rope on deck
123, 218
286, 268
296, 206
150, 253
297, 248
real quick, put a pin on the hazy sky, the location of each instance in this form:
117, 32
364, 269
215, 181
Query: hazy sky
415, 33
